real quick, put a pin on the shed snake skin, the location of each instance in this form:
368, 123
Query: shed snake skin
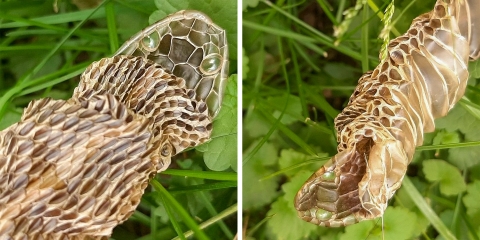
76, 168
423, 76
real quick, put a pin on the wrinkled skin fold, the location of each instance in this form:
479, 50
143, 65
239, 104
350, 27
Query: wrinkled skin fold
76, 168
422, 78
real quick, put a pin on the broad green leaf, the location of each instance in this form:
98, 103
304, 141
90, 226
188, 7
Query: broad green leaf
160, 211
290, 157
447, 217
258, 167
460, 119
221, 152
361, 230
421, 223
464, 157
340, 71
285, 223
471, 200
449, 177
10, 118
474, 173
392, 219
22, 60
402, 199
245, 68
444, 137
249, 3
257, 193
266, 155
474, 68
293, 109
255, 126
283, 214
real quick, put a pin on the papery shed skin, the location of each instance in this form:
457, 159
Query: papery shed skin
76, 168
424, 74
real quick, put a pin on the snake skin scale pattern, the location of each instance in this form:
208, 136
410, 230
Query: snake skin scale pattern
422, 78
76, 168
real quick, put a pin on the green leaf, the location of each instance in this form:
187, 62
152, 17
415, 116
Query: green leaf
266, 155
258, 167
426, 209
447, 217
393, 217
474, 68
249, 3
471, 200
340, 71
449, 177
361, 230
255, 125
464, 157
245, 68
404, 200
221, 152
284, 222
445, 137
29, 59
161, 212
460, 119
293, 110
290, 157
10, 118
257, 193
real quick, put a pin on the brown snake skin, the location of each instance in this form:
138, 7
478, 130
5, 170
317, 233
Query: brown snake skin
422, 78
76, 168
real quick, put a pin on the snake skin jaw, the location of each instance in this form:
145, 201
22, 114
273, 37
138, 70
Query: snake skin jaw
189, 45
355, 184
330, 196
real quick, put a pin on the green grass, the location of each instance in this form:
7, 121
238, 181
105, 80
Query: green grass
297, 78
42, 54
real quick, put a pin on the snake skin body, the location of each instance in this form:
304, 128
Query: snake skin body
76, 168
422, 78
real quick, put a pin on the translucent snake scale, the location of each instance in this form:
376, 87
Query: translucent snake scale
76, 168
422, 78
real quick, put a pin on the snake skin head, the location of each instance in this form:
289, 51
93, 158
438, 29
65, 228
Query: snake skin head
355, 184
330, 196
191, 46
